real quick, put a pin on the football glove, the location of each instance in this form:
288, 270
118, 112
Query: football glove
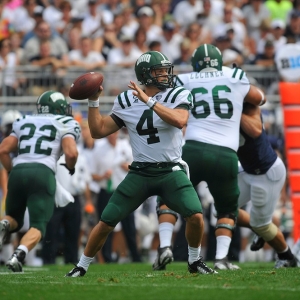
71, 171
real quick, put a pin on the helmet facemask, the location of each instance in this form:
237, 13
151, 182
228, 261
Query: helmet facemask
155, 79
146, 70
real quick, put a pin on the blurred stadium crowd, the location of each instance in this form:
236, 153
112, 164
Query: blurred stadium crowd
45, 44
90, 34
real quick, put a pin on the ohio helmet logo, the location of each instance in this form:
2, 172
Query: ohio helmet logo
144, 58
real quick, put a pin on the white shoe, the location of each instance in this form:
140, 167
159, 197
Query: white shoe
224, 264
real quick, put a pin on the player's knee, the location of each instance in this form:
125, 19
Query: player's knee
40, 227
226, 225
166, 211
267, 232
195, 219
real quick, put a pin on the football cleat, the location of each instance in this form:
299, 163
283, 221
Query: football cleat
164, 257
4, 231
199, 266
16, 261
281, 263
257, 243
76, 272
224, 264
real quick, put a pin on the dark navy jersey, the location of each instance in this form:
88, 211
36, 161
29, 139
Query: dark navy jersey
256, 155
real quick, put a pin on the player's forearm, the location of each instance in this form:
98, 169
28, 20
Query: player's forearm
6, 161
96, 123
175, 117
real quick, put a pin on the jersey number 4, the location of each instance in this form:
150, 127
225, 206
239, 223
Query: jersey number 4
147, 117
219, 103
37, 147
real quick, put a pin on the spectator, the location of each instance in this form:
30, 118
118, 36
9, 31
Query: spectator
155, 46
184, 59
292, 30
126, 55
170, 40
64, 225
229, 55
52, 13
186, 12
73, 37
6, 17
114, 157
65, 19
279, 9
15, 43
38, 17
146, 21
197, 35
296, 9
219, 6
238, 34
23, 20
130, 24
278, 29
58, 47
47, 78
89, 149
108, 40
140, 38
266, 59
93, 20
8, 64
162, 9
85, 57
255, 13
109, 9
207, 18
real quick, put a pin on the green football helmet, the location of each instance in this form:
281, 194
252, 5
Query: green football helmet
207, 56
150, 61
52, 102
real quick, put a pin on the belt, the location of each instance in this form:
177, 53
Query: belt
141, 165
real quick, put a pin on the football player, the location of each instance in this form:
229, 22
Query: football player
40, 140
154, 119
261, 179
212, 140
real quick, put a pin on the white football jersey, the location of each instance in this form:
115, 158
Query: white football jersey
218, 104
40, 138
152, 139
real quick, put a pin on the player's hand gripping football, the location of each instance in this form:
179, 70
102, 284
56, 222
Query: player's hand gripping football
96, 95
138, 92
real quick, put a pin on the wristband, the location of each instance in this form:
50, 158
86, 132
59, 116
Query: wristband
93, 103
263, 100
151, 102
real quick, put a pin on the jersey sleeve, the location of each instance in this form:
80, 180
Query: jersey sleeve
16, 127
69, 126
183, 97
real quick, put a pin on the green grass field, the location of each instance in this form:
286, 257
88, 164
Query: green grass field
137, 281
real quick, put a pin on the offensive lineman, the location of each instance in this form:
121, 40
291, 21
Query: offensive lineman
40, 140
212, 140
154, 120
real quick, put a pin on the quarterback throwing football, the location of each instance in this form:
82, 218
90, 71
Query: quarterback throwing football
154, 119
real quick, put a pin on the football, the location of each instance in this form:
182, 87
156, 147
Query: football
85, 85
